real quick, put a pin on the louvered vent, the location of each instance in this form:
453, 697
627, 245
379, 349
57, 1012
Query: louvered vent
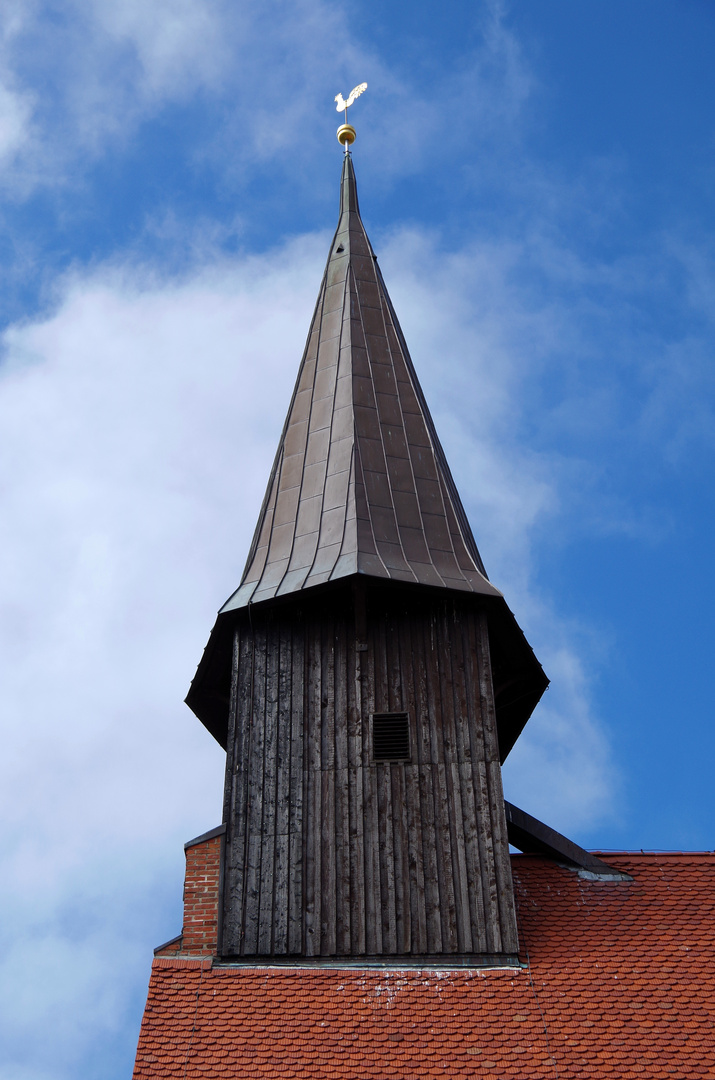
391, 736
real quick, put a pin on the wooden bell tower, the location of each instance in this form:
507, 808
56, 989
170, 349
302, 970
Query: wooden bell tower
366, 679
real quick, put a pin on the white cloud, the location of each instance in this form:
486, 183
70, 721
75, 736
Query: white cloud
178, 45
15, 113
16, 103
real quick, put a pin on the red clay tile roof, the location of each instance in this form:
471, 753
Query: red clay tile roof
620, 983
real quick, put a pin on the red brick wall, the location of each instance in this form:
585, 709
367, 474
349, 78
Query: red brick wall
201, 889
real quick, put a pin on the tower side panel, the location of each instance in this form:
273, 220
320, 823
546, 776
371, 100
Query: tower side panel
331, 852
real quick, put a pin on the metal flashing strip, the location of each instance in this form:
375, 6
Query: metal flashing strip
218, 831
484, 962
168, 944
588, 875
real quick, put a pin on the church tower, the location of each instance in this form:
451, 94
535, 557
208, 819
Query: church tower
366, 679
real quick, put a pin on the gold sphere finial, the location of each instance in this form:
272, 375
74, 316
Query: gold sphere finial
346, 135
346, 132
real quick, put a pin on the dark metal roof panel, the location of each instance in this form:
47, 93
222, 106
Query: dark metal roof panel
360, 483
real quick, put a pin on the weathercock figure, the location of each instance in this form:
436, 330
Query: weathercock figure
346, 132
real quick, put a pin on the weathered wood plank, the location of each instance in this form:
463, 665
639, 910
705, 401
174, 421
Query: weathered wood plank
357, 862
505, 890
463, 715
393, 670
282, 826
418, 917
471, 850
484, 816
433, 917
463, 913
451, 692
354, 702
328, 945
355, 791
491, 870
326, 824
342, 864
341, 682
296, 942
424, 640
229, 789
445, 862
434, 705
313, 912
443, 689
313, 800
445, 870
387, 859
420, 640
403, 914
255, 795
371, 864
373, 916
269, 794
487, 872
234, 814
468, 715
489, 875
381, 692
414, 898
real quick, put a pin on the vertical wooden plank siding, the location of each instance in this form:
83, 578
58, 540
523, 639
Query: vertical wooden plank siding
505, 892
254, 795
233, 801
329, 853
330, 840
282, 812
296, 922
269, 794
312, 838
341, 788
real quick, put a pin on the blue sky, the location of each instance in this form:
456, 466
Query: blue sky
537, 179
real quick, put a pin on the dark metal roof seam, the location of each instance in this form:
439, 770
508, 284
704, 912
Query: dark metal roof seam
382, 440
332, 418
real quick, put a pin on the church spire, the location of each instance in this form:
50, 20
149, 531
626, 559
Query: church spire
366, 678
360, 483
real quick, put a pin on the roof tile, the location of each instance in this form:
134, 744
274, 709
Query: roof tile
601, 995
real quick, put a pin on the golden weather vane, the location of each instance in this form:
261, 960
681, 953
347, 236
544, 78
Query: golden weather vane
346, 132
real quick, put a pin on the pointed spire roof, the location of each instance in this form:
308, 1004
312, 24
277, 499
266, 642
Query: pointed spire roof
360, 483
